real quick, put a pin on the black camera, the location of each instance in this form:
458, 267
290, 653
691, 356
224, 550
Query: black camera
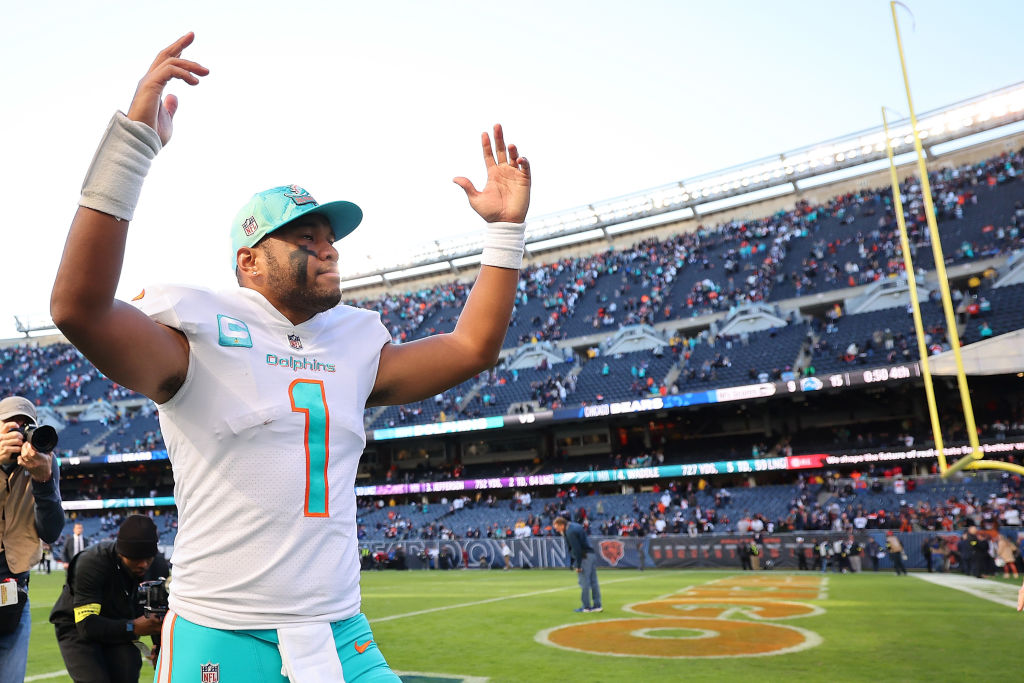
42, 437
152, 596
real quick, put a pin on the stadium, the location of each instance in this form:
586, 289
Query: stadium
667, 380
720, 367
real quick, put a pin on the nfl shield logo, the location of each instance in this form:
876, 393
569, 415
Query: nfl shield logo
210, 673
295, 342
249, 226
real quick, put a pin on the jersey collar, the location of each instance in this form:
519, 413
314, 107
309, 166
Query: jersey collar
311, 326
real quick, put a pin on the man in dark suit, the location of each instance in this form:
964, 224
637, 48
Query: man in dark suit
75, 544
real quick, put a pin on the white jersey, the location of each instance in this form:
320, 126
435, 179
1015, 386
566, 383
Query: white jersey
264, 438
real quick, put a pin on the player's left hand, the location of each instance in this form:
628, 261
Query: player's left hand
37, 464
1020, 599
506, 196
149, 106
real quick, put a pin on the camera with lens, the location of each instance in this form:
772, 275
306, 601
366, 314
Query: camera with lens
42, 437
152, 596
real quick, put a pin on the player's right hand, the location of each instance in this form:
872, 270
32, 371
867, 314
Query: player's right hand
1020, 599
148, 626
149, 106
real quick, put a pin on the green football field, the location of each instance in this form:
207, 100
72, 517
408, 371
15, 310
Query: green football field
664, 625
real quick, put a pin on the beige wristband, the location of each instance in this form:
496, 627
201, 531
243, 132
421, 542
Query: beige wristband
114, 180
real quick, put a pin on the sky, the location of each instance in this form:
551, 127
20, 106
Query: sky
383, 103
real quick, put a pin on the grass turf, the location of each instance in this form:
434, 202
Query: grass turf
474, 623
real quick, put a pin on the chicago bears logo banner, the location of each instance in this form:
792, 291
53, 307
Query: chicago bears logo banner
612, 551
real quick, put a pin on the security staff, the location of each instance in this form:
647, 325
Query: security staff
98, 617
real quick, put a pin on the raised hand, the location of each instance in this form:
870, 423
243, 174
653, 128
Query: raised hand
506, 196
149, 106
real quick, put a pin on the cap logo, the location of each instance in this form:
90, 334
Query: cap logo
299, 196
249, 226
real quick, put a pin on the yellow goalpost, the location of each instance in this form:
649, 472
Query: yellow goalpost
975, 459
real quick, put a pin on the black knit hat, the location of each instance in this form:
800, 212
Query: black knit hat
137, 538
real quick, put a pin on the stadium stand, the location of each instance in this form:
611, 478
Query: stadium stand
845, 242
806, 264
833, 504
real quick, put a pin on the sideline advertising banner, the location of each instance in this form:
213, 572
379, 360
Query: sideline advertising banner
719, 551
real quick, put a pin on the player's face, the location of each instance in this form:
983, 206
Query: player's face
303, 265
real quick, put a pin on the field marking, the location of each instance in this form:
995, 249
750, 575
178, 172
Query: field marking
696, 601
999, 593
52, 674
705, 626
811, 639
701, 632
490, 600
454, 677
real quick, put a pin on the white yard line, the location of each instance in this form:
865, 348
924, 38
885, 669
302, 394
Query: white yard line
999, 593
454, 677
55, 674
377, 620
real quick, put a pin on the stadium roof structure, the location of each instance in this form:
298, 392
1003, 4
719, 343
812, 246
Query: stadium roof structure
955, 126
1000, 355
27, 325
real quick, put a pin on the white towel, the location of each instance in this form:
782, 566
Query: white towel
309, 655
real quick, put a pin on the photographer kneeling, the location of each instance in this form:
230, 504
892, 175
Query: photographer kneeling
99, 616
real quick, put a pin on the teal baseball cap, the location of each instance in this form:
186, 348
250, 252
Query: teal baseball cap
274, 208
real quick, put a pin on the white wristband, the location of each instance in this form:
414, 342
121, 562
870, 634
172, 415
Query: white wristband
503, 245
114, 180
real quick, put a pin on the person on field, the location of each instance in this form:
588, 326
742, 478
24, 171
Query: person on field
76, 544
98, 618
506, 555
895, 550
801, 554
262, 389
583, 559
31, 513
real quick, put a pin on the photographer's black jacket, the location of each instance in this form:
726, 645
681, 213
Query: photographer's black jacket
105, 594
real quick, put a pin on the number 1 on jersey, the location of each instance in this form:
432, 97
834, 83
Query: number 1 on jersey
308, 397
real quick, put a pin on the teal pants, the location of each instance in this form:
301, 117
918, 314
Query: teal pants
194, 654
